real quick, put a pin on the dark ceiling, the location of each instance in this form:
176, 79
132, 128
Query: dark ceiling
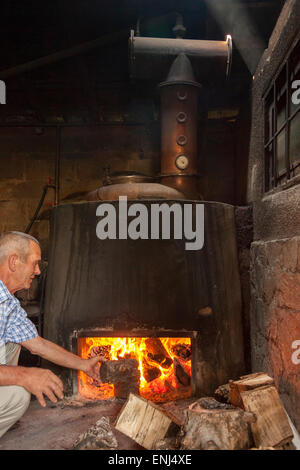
33, 28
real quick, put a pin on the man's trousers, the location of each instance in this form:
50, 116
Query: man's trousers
14, 400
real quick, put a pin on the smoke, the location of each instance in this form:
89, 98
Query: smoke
234, 19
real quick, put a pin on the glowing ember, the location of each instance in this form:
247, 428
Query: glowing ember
164, 365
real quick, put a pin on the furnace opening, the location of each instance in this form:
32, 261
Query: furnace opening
159, 369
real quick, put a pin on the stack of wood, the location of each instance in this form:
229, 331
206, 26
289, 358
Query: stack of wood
124, 374
257, 393
247, 414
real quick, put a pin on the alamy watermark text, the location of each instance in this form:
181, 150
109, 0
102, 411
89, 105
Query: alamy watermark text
160, 221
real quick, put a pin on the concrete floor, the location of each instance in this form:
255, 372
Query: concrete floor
57, 426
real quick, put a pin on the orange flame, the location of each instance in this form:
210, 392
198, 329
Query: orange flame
164, 387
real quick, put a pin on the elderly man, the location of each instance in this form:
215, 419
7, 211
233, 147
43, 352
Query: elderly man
20, 255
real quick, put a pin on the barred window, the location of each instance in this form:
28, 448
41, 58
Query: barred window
282, 123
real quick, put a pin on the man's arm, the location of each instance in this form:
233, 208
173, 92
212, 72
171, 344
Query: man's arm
40, 381
60, 356
11, 375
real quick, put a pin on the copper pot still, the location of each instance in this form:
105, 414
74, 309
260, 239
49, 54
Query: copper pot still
186, 62
134, 186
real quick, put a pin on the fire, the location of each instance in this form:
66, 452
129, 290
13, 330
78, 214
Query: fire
164, 366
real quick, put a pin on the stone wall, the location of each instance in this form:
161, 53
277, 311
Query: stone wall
275, 255
275, 314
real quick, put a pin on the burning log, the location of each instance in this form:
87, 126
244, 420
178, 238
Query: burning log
150, 372
157, 352
181, 374
183, 351
124, 374
123, 389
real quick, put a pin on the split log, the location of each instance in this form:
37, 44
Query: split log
123, 389
157, 352
226, 429
145, 422
272, 427
119, 371
182, 350
177, 408
247, 382
124, 374
150, 372
180, 373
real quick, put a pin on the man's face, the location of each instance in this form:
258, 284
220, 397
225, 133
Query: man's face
27, 270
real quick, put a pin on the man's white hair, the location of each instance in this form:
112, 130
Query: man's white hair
15, 243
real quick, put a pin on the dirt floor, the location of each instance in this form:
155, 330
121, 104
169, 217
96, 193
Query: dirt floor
57, 426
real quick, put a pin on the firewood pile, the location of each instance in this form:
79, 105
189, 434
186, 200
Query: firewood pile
243, 414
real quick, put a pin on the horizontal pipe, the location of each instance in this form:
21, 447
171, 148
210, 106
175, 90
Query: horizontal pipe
152, 57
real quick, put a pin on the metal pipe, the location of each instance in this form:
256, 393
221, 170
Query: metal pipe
152, 57
57, 164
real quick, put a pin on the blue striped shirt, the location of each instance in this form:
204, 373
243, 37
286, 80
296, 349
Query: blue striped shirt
15, 326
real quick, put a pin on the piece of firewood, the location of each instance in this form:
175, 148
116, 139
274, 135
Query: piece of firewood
181, 374
124, 374
150, 372
272, 427
145, 422
182, 350
99, 436
102, 350
157, 352
247, 382
123, 389
227, 429
210, 403
122, 370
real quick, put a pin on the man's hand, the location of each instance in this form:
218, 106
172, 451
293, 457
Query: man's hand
92, 368
42, 382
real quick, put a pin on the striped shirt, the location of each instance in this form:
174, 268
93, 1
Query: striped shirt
15, 327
